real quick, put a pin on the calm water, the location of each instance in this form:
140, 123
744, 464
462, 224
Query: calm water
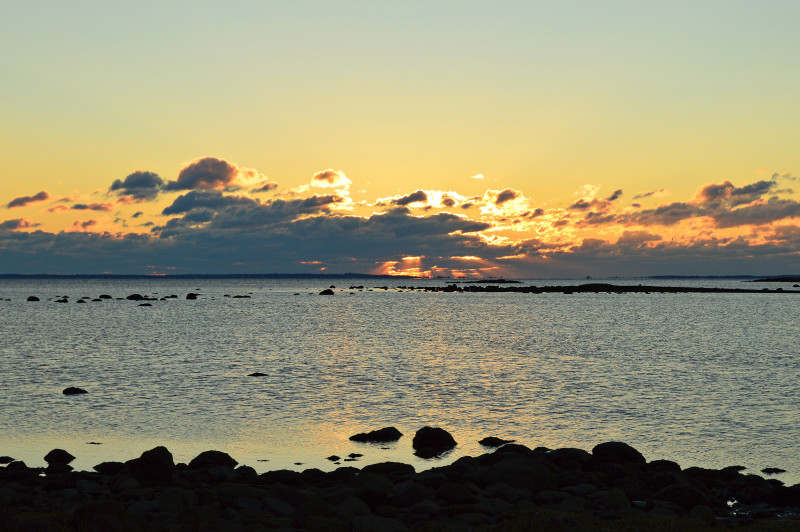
702, 379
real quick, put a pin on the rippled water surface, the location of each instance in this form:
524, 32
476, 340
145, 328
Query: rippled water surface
703, 379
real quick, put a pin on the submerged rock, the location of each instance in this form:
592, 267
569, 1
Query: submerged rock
73, 391
384, 435
429, 442
492, 441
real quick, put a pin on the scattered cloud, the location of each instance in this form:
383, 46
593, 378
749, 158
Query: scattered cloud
22, 201
93, 207
331, 179
16, 224
139, 185
658, 193
211, 173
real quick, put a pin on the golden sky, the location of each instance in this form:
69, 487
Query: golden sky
534, 139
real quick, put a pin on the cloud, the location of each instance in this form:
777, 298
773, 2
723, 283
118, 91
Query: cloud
205, 199
415, 197
761, 213
22, 201
330, 178
137, 214
17, 223
477, 176
637, 238
210, 173
506, 195
138, 185
92, 207
727, 193
266, 187
658, 193
615, 195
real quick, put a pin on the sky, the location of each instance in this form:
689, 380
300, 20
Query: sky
516, 139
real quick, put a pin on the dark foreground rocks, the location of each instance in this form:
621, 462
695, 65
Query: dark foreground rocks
512, 488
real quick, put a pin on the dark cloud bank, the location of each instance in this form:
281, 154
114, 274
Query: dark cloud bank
210, 229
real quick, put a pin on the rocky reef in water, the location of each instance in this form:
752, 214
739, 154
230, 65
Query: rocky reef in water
515, 487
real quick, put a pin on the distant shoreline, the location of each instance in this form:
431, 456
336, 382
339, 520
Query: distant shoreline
351, 275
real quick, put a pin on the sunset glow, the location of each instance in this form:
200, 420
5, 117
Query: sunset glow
403, 147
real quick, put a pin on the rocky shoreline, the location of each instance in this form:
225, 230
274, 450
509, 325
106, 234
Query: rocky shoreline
514, 487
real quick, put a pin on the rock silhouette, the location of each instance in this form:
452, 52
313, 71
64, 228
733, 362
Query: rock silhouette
73, 391
384, 435
430, 442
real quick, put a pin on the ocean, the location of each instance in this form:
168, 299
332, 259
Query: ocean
704, 379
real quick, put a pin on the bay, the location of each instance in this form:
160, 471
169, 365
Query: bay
703, 379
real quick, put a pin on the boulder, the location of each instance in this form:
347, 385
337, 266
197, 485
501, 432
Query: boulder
58, 457
384, 435
155, 465
208, 459
135, 297
104, 296
429, 442
616, 452
326, 292
32, 298
256, 374
73, 391
191, 295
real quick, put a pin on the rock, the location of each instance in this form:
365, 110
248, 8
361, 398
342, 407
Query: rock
208, 459
615, 452
703, 513
62, 300
493, 441
392, 470
384, 435
135, 297
684, 496
256, 374
6, 459
81, 301
772, 470
32, 298
105, 296
665, 466
568, 454
145, 305
524, 472
191, 295
155, 465
334, 458
241, 297
326, 292
73, 391
109, 468
58, 457
429, 442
